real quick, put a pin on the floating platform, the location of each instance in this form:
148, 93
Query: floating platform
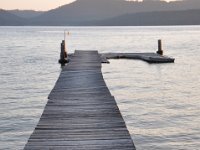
81, 113
148, 57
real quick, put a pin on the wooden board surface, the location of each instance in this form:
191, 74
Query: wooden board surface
148, 57
81, 113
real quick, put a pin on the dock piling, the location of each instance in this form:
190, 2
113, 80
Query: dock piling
63, 53
160, 51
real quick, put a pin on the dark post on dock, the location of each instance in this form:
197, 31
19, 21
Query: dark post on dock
63, 53
160, 51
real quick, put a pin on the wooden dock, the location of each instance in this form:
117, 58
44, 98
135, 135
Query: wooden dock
81, 113
148, 57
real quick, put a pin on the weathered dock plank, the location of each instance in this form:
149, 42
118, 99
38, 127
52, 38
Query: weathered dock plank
81, 113
148, 57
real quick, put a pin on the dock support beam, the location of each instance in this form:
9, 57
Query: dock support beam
160, 51
63, 53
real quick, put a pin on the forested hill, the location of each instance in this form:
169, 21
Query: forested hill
109, 12
158, 18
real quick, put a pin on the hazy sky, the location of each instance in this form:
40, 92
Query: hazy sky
34, 4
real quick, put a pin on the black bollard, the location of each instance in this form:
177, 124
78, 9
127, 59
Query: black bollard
160, 51
63, 53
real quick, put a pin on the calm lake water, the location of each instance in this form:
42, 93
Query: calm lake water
159, 102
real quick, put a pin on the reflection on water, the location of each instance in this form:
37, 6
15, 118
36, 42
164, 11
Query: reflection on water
160, 103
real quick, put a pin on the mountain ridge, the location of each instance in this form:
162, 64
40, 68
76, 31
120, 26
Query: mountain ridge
9, 19
156, 18
90, 12
27, 14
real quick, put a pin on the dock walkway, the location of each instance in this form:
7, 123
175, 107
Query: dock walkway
81, 113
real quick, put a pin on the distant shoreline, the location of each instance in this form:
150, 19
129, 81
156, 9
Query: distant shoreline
97, 25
